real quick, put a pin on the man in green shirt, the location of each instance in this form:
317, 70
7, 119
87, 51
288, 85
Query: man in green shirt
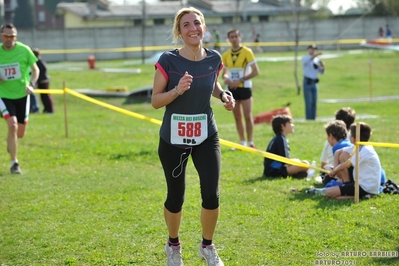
16, 84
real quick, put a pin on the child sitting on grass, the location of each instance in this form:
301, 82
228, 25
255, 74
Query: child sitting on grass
337, 135
348, 115
369, 169
282, 126
337, 139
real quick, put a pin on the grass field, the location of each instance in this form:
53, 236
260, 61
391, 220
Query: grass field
96, 196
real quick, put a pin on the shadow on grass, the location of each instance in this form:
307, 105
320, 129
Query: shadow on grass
387, 260
300, 194
136, 100
266, 178
131, 155
324, 202
262, 178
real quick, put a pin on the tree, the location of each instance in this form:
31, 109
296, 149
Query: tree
381, 7
300, 26
321, 6
296, 15
51, 5
318, 3
1, 12
23, 15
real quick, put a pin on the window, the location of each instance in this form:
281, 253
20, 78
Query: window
159, 21
40, 2
227, 20
264, 18
138, 22
41, 16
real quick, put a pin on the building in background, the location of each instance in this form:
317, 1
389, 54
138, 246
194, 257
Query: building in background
63, 14
9, 7
43, 16
46, 18
99, 13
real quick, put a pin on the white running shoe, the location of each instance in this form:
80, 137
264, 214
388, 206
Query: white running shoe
210, 255
311, 191
174, 255
15, 169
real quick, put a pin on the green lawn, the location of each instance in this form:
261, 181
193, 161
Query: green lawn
96, 196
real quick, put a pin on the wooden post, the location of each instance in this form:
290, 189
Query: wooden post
65, 111
371, 79
357, 163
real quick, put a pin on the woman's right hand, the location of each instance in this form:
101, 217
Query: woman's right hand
184, 83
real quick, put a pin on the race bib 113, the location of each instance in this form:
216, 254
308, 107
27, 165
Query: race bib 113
10, 71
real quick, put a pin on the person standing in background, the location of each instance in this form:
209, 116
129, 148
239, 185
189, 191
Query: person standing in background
256, 39
216, 37
207, 38
43, 83
16, 84
311, 66
239, 68
34, 105
388, 33
381, 32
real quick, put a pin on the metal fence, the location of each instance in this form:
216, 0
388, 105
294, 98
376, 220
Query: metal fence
124, 43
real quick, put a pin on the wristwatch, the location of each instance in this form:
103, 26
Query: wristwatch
242, 79
221, 96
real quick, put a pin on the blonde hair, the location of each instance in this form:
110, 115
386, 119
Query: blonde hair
177, 19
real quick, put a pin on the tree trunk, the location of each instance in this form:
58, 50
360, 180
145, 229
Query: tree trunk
296, 32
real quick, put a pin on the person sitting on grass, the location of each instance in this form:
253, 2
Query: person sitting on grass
369, 169
342, 155
348, 115
282, 126
337, 139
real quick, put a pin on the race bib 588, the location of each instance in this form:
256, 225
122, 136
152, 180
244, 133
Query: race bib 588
188, 129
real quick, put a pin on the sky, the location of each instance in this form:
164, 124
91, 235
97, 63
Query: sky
334, 5
120, 2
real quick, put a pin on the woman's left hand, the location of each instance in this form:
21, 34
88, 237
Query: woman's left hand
229, 102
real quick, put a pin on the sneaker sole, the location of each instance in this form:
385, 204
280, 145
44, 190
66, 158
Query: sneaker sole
16, 173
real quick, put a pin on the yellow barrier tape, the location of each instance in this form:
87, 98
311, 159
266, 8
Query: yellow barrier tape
103, 50
48, 91
112, 107
168, 47
158, 122
270, 155
222, 141
379, 144
271, 44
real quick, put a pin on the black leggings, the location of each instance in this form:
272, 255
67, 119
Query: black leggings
206, 158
